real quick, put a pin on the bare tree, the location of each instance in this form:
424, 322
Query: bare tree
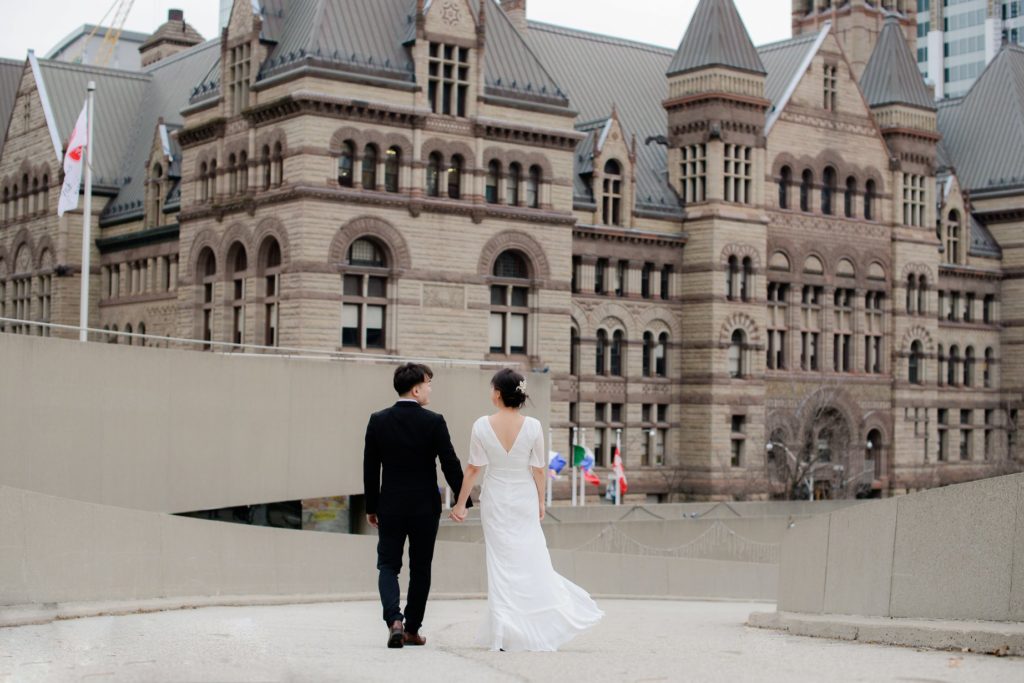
809, 442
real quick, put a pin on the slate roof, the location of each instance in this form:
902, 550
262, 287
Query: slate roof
119, 94
983, 132
892, 75
716, 36
10, 78
599, 72
374, 36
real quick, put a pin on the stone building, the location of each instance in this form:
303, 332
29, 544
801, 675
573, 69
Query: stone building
697, 244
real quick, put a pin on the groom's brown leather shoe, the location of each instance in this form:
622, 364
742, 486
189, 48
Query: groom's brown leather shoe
397, 637
414, 639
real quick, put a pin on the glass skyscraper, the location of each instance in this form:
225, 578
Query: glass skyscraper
956, 39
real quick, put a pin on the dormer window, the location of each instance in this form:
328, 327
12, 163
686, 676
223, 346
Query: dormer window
448, 79
611, 201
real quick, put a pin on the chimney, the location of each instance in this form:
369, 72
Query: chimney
175, 15
516, 12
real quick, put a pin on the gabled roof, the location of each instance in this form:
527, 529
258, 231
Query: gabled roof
374, 35
168, 84
10, 78
119, 94
716, 37
892, 75
984, 131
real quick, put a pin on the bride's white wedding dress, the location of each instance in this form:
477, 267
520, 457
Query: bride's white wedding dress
529, 605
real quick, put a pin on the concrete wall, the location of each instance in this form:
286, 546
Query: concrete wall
56, 550
950, 553
173, 431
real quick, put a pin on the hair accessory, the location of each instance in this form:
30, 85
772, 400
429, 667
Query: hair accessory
522, 387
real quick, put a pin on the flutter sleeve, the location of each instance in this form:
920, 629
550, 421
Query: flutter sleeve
477, 454
538, 454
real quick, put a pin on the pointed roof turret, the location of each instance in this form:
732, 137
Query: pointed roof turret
716, 37
892, 76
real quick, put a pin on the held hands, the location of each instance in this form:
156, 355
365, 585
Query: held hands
372, 520
542, 511
458, 514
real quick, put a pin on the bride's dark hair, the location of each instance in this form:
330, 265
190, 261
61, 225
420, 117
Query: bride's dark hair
511, 385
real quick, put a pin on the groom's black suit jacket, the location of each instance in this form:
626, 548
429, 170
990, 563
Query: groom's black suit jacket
399, 470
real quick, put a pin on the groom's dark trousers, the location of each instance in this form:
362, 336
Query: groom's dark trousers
403, 443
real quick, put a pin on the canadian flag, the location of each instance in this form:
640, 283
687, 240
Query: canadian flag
73, 163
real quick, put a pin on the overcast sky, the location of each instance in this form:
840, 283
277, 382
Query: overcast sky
41, 24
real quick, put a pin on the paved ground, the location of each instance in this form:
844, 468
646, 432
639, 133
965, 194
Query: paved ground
637, 641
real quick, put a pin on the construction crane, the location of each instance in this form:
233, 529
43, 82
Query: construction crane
119, 10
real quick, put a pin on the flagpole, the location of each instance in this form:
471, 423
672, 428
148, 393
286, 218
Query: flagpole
583, 479
83, 308
572, 461
615, 467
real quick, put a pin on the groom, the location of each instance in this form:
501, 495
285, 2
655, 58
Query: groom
403, 442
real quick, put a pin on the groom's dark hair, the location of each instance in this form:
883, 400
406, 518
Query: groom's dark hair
409, 375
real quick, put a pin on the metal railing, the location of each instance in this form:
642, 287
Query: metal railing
248, 350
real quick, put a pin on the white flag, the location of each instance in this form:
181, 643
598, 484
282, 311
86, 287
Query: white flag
73, 162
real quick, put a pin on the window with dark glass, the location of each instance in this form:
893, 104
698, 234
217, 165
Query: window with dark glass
364, 295
510, 304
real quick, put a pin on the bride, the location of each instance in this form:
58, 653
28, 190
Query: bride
529, 606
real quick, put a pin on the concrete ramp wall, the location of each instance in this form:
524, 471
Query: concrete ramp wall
55, 550
175, 431
950, 553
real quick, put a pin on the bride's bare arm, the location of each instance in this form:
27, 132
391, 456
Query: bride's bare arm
538, 478
458, 512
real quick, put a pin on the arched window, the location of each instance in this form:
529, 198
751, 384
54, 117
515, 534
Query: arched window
850, 198
602, 349
364, 296
434, 165
114, 337
732, 278
455, 177
737, 351
35, 196
278, 164
661, 356
869, 200
16, 201
243, 172
953, 369
915, 369
746, 279
232, 174
941, 363
611, 200
574, 352
515, 174
346, 164
211, 181
156, 199
493, 176
7, 201
392, 169
922, 295
911, 293
873, 452
989, 362
265, 166
828, 191
805, 191
953, 237
969, 366
533, 188
129, 339
510, 304
785, 181
141, 330
647, 355
616, 353
271, 275
238, 263
206, 275
203, 187
370, 167
46, 193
